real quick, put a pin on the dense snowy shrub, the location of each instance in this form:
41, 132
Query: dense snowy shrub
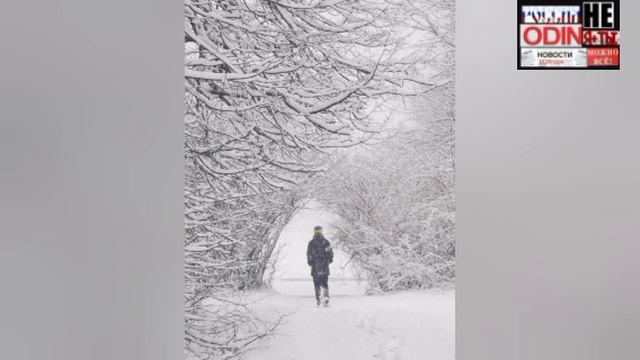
396, 204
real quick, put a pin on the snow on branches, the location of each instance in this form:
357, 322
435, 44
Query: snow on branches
396, 202
272, 89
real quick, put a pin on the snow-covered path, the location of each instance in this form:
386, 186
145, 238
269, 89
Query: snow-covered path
413, 325
416, 325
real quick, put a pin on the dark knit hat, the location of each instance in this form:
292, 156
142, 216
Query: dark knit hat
317, 228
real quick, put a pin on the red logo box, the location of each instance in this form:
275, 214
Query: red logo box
603, 56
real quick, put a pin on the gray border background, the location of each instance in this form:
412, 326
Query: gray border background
548, 198
91, 197
91, 210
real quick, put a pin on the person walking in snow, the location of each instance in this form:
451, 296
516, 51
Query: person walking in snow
319, 256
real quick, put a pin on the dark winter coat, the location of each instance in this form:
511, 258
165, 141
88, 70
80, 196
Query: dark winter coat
319, 255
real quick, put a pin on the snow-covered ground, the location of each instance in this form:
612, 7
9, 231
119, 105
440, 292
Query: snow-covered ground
412, 325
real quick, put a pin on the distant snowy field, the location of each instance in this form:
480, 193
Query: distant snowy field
292, 274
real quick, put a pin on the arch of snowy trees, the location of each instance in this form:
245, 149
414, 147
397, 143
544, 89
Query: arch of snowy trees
276, 90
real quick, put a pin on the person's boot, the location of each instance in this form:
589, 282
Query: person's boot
326, 297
